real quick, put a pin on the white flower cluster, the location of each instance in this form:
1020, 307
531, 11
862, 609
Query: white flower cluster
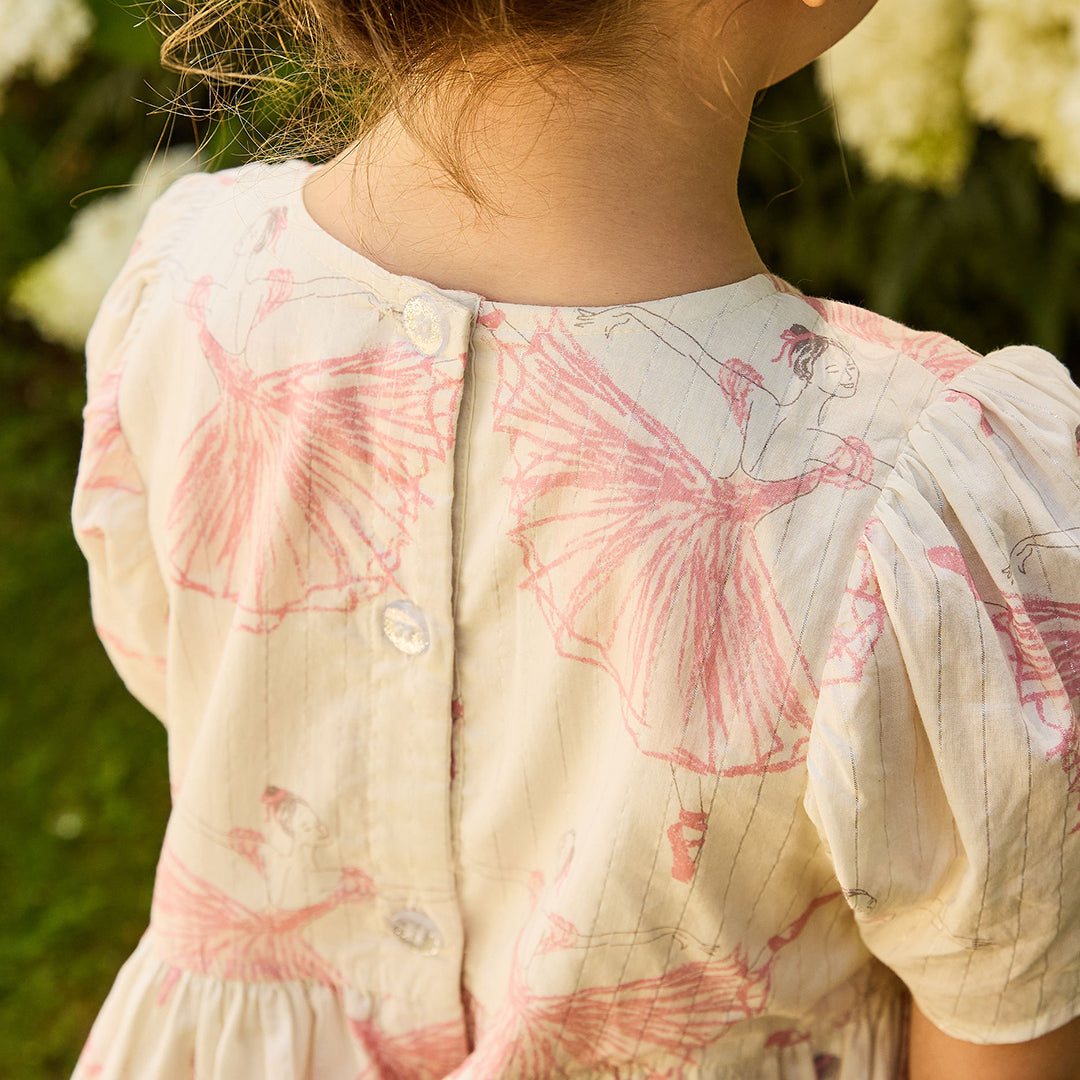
912, 81
897, 84
1023, 75
42, 37
62, 291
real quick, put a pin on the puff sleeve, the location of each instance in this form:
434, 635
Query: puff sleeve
944, 767
109, 509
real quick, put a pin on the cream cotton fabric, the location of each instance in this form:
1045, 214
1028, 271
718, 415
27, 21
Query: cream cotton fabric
638, 692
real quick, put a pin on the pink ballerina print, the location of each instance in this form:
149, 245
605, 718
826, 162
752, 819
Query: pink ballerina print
1040, 636
598, 1028
198, 927
1043, 646
107, 459
287, 856
299, 486
646, 566
823, 367
107, 465
252, 286
940, 355
425, 1053
1057, 620
861, 621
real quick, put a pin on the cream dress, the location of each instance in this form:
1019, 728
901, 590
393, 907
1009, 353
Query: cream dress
640, 692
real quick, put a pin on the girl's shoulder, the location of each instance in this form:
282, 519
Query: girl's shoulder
219, 208
948, 372
248, 184
946, 359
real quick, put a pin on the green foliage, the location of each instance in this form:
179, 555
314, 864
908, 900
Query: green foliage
123, 36
992, 264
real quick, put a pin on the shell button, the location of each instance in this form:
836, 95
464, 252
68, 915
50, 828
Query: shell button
405, 627
415, 929
425, 324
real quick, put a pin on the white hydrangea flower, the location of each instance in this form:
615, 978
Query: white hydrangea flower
1023, 76
1060, 146
897, 83
1035, 11
42, 36
1017, 69
62, 291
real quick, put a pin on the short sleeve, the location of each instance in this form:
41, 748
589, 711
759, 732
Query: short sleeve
944, 768
109, 509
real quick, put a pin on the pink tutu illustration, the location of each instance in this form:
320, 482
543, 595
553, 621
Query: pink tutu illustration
597, 1028
300, 485
1040, 636
426, 1053
198, 927
647, 566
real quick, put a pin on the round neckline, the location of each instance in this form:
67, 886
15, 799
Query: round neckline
718, 299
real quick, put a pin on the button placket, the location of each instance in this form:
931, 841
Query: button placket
409, 832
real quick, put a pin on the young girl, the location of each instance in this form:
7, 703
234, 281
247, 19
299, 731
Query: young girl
582, 654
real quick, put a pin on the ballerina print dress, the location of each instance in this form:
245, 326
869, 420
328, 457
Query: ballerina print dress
653, 692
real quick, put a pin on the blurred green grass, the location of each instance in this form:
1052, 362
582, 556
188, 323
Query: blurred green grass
82, 766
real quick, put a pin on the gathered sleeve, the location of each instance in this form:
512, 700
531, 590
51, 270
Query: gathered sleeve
109, 509
944, 767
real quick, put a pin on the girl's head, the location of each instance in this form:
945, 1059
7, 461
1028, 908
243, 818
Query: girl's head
435, 63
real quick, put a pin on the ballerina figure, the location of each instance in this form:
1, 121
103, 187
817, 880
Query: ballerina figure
300, 485
646, 565
288, 859
1057, 620
252, 286
108, 465
199, 927
821, 365
937, 353
595, 1029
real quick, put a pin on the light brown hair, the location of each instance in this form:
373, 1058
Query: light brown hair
329, 70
